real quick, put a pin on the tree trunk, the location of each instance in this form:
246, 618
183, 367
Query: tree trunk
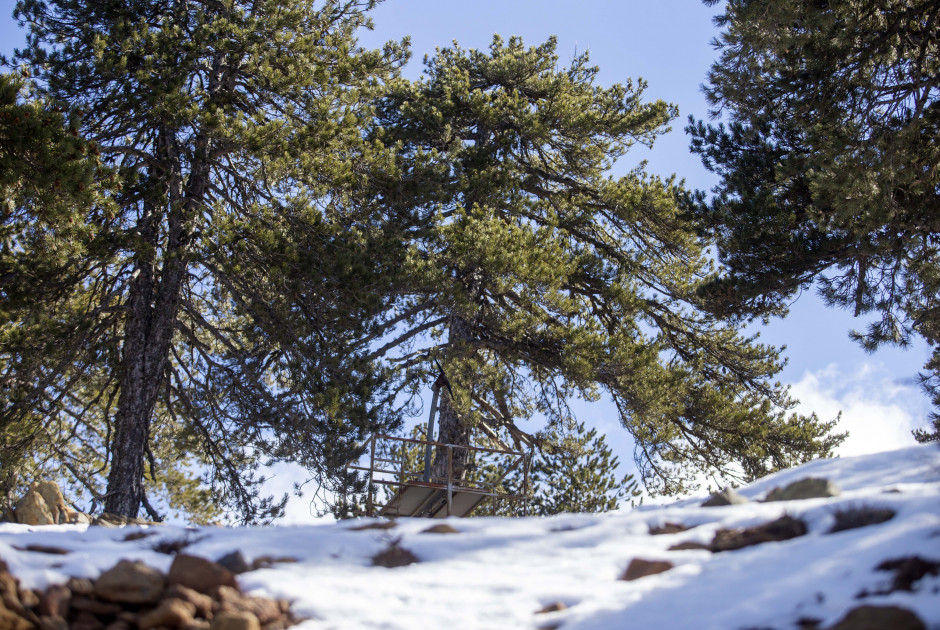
153, 307
451, 429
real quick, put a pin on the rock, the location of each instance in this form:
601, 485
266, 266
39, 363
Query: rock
171, 613
728, 496
690, 545
266, 562
86, 621
54, 500
80, 586
879, 618
54, 602
201, 624
9, 620
9, 515
202, 603
784, 528
32, 509
234, 562
375, 525
550, 608
809, 488
908, 571
119, 624
49, 549
854, 517
667, 528
639, 568
265, 610
394, 556
131, 582
80, 518
95, 606
442, 528
235, 621
53, 623
199, 574
29, 598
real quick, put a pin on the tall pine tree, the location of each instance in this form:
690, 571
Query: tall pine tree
532, 277
234, 268
828, 164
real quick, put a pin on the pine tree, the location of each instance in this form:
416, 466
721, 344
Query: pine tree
235, 269
531, 277
828, 164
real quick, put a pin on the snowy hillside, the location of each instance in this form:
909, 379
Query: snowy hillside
501, 573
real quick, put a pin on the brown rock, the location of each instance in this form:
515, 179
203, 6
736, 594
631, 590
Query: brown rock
54, 500
29, 598
235, 621
234, 562
266, 562
8, 515
32, 509
639, 567
53, 623
199, 573
550, 608
119, 624
202, 603
667, 528
130, 582
80, 586
376, 525
879, 618
690, 545
784, 528
86, 621
94, 606
200, 624
394, 556
809, 488
9, 620
54, 602
49, 549
442, 528
266, 610
171, 613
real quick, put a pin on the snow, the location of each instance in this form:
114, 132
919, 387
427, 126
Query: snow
497, 572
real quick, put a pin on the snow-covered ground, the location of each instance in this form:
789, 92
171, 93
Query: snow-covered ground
497, 573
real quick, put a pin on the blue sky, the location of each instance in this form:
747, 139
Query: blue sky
668, 43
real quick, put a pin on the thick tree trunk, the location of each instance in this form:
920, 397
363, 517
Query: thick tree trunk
451, 429
154, 307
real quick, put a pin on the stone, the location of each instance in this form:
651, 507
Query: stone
94, 606
854, 517
784, 528
48, 549
9, 515
199, 574
266, 562
131, 582
639, 568
86, 621
908, 571
52, 495
442, 528
9, 620
375, 525
53, 623
32, 509
171, 613
235, 621
879, 618
394, 556
728, 496
118, 624
550, 608
265, 610
690, 545
667, 528
202, 603
234, 562
200, 624
54, 602
80, 518
809, 488
80, 586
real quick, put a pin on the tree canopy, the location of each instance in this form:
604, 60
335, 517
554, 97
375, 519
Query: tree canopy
231, 266
828, 163
531, 276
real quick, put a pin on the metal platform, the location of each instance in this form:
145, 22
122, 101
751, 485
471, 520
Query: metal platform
417, 494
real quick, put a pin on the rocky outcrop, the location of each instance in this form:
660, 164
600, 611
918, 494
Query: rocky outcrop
639, 568
44, 504
809, 488
726, 497
132, 595
879, 618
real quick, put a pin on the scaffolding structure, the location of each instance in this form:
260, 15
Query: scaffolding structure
418, 493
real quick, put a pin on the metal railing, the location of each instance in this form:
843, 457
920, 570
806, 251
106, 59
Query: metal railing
401, 478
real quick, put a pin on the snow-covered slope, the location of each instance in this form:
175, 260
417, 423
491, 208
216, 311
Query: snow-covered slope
497, 573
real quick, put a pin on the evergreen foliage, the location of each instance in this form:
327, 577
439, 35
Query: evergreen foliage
828, 163
533, 277
234, 267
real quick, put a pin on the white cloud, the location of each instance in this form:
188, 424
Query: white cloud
878, 411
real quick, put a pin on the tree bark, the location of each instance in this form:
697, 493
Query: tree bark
148, 335
452, 430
